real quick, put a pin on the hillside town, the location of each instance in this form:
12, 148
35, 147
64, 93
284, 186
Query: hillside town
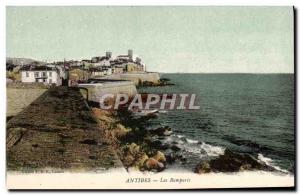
72, 71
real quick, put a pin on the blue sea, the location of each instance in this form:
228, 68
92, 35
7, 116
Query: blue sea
246, 113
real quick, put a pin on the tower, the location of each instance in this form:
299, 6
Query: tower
130, 53
108, 54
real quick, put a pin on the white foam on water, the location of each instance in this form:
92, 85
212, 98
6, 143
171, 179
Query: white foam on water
195, 150
212, 150
191, 141
194, 146
269, 162
179, 136
205, 150
180, 142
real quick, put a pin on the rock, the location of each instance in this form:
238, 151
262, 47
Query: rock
141, 160
170, 158
292, 169
158, 145
120, 131
133, 149
155, 143
245, 167
131, 153
162, 131
153, 164
232, 162
128, 160
161, 82
147, 83
203, 167
159, 156
175, 148
183, 160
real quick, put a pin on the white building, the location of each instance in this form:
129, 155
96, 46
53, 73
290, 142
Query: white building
104, 62
40, 74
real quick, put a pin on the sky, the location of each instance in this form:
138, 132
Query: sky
168, 39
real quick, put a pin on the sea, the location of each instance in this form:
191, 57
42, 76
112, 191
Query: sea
245, 113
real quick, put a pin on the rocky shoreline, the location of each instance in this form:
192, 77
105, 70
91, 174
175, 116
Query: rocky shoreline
161, 82
140, 148
134, 144
143, 149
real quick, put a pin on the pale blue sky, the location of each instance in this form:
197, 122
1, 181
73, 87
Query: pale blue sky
168, 39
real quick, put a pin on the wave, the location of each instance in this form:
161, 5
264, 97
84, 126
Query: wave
196, 146
205, 150
212, 150
191, 141
269, 162
179, 136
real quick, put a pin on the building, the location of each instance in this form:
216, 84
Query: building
40, 74
86, 63
133, 67
100, 71
117, 69
128, 57
102, 60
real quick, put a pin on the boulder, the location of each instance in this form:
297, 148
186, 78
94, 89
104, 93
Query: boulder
120, 131
175, 148
232, 162
203, 167
162, 131
158, 145
133, 149
159, 156
141, 160
130, 154
170, 158
128, 160
153, 164
183, 160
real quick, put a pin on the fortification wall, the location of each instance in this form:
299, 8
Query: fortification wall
96, 90
135, 77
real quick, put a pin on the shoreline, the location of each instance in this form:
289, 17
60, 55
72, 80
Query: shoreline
141, 149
